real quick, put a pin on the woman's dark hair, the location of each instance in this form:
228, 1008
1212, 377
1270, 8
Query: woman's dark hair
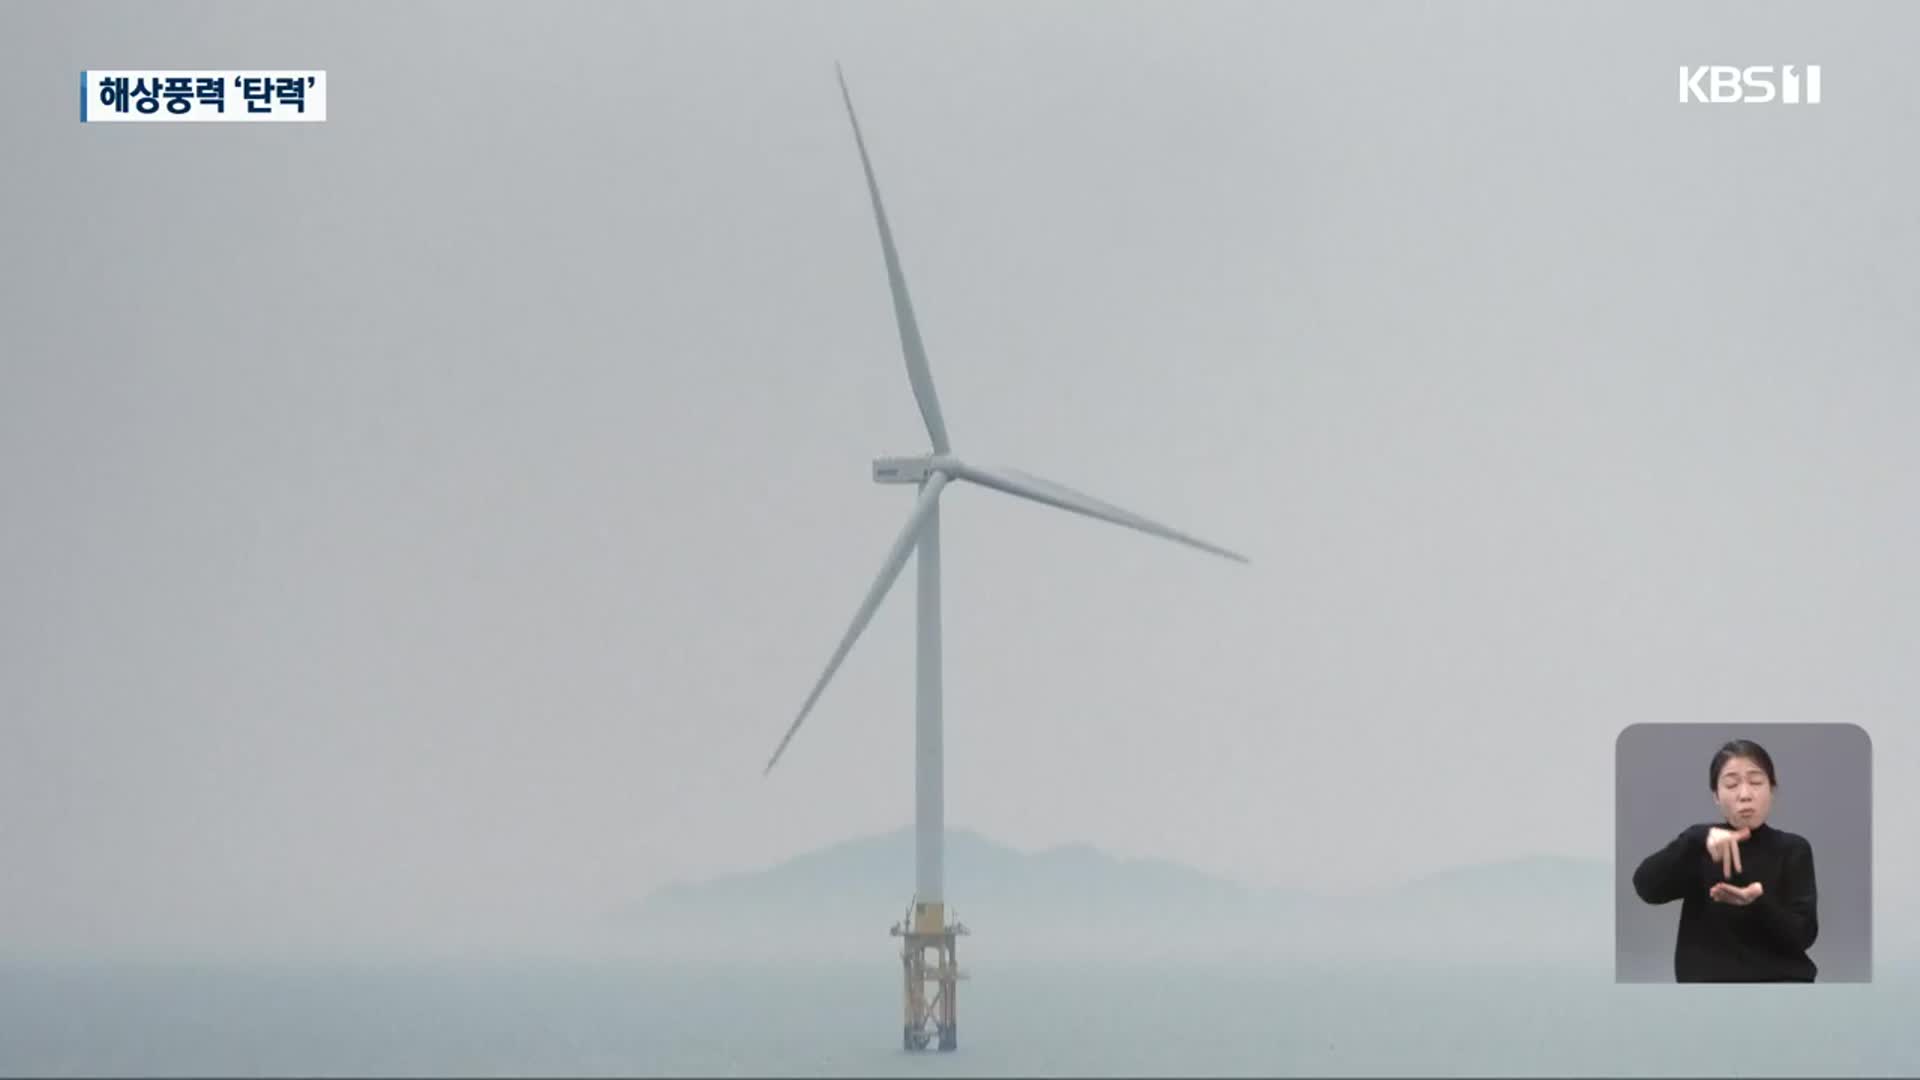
1745, 748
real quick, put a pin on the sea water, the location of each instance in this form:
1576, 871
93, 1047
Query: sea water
809, 1019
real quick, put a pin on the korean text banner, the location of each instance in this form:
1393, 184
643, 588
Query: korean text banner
203, 96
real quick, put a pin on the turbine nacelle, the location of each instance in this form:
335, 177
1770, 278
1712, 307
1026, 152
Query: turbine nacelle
913, 470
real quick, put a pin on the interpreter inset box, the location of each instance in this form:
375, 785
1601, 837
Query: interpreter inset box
1742, 853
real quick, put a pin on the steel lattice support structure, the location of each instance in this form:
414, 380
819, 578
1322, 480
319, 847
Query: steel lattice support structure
930, 963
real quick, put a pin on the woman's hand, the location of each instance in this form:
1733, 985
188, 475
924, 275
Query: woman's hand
1724, 845
1737, 895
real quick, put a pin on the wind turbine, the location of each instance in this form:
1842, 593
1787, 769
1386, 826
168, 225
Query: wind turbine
928, 1015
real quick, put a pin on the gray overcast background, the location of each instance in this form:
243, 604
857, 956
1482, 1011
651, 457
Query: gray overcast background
417, 529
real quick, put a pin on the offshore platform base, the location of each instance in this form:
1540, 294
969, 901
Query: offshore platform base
932, 975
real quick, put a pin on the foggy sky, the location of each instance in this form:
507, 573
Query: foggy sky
421, 526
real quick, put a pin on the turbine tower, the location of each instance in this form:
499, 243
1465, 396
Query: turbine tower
928, 956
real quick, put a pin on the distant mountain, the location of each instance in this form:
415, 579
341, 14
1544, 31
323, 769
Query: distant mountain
1078, 900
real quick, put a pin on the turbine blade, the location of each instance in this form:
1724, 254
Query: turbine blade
918, 373
903, 546
1028, 486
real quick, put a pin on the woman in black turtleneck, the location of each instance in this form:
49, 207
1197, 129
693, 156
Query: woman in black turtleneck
1746, 892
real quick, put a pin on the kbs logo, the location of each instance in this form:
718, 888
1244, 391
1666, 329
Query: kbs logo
1721, 85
